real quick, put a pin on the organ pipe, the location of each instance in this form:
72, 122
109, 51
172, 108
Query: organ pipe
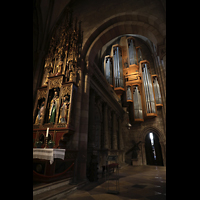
108, 69
149, 94
138, 86
132, 52
137, 104
129, 95
118, 70
157, 91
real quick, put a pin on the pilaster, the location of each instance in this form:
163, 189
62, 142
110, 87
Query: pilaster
121, 142
114, 121
105, 122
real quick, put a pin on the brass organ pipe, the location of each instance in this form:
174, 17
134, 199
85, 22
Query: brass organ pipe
144, 78
151, 94
115, 68
132, 53
155, 89
140, 106
159, 95
117, 72
149, 87
136, 101
147, 90
121, 73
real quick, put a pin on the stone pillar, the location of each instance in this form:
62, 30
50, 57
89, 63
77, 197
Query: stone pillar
114, 131
105, 122
121, 142
92, 119
143, 154
83, 129
163, 149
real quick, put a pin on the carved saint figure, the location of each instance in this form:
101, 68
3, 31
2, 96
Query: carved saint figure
64, 110
40, 113
58, 69
69, 71
53, 107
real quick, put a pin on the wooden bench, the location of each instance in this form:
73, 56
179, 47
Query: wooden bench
109, 168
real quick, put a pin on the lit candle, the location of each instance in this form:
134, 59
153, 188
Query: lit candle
47, 132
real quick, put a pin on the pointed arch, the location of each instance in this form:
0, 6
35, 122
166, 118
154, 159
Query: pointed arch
155, 130
123, 23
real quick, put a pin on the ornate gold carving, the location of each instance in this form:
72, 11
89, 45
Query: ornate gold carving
66, 90
42, 94
65, 46
55, 83
59, 125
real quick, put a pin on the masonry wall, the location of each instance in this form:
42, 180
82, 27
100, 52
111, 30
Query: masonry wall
134, 135
145, 17
94, 13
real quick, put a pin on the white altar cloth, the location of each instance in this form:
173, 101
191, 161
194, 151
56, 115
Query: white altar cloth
48, 154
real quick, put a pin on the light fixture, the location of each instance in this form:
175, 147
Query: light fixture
129, 126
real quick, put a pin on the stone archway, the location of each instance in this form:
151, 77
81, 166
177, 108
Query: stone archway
161, 139
153, 150
123, 23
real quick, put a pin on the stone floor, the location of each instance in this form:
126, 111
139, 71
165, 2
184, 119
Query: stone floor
136, 183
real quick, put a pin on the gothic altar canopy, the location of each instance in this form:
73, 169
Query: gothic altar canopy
54, 105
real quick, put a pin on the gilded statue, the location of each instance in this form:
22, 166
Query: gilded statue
40, 113
64, 110
47, 77
69, 71
53, 107
58, 69
48, 70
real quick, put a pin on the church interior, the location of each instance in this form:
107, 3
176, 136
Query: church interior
99, 88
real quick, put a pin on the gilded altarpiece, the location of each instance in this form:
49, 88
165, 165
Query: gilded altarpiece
56, 100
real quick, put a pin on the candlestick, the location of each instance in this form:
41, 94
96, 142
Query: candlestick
46, 140
47, 132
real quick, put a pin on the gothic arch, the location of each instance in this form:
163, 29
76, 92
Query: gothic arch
123, 23
155, 130
162, 141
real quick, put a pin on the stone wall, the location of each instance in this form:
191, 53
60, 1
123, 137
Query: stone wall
102, 21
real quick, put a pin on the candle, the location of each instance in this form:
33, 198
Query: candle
47, 132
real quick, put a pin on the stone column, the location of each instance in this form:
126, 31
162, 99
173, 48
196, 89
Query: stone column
121, 142
143, 154
163, 149
105, 122
114, 131
83, 129
91, 119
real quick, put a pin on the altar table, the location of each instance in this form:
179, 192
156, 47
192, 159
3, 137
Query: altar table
48, 154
